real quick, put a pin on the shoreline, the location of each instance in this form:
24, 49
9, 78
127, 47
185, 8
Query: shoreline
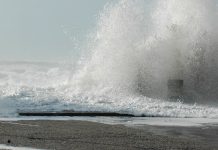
71, 134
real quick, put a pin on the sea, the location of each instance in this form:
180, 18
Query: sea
135, 48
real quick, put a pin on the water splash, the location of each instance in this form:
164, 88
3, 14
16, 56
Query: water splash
137, 49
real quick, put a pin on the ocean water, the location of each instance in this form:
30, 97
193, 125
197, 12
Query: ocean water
135, 48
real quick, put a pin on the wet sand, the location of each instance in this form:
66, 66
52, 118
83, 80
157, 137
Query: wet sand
83, 135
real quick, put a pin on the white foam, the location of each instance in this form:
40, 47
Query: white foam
2, 146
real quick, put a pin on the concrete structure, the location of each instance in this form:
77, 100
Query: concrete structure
76, 113
175, 89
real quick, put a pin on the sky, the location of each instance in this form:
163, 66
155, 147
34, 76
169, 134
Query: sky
42, 30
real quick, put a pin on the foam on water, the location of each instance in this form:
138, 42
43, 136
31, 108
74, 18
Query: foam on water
137, 46
2, 146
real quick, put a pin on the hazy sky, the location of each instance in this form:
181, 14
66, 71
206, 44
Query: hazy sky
36, 29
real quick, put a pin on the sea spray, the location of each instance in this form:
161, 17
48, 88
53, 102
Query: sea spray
137, 48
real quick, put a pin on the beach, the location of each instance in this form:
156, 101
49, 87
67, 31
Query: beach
83, 135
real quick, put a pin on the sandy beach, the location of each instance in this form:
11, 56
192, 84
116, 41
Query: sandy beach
83, 135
